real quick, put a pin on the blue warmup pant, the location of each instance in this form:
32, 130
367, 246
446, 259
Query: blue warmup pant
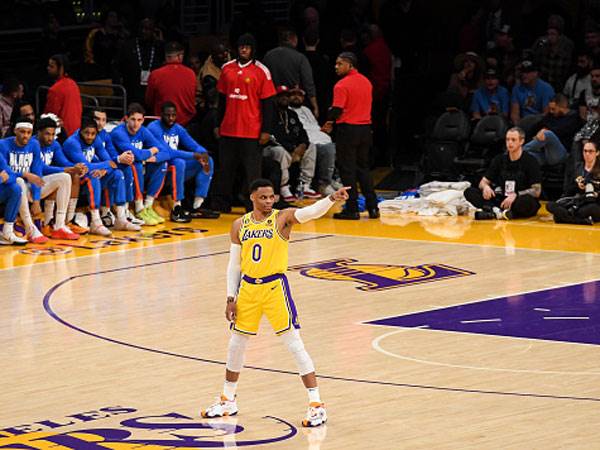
113, 184
193, 169
130, 194
10, 195
183, 170
153, 180
93, 188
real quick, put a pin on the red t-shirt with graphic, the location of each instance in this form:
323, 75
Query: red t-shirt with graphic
244, 86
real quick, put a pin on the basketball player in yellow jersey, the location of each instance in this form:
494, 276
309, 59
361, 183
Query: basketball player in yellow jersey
257, 285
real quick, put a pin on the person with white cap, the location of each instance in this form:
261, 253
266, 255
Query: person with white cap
24, 160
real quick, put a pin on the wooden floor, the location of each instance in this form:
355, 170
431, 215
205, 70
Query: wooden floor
426, 333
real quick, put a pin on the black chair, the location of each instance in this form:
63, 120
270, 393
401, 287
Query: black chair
448, 140
486, 142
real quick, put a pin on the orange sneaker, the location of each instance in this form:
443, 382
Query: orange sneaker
47, 230
77, 229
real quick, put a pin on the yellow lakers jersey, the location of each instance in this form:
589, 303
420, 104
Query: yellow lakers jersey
264, 251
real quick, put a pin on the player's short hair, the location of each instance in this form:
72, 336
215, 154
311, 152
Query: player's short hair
46, 122
517, 130
350, 57
167, 104
99, 109
260, 182
88, 122
61, 60
135, 108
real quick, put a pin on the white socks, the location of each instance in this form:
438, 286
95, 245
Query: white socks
48, 211
104, 210
95, 217
59, 221
229, 388
121, 213
198, 202
71, 209
313, 395
149, 201
8, 228
139, 205
177, 203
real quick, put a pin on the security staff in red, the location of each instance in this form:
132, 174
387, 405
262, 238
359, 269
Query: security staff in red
351, 111
246, 113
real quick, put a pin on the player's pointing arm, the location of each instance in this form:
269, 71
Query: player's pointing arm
318, 209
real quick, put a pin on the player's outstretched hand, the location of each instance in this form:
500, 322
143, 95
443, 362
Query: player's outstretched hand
341, 194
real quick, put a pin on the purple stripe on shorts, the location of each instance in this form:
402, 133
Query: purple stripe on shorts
288, 294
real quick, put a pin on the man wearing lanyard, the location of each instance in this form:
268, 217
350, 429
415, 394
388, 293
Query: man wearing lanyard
137, 59
351, 111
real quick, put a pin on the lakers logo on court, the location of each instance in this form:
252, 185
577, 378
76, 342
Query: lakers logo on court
378, 277
159, 432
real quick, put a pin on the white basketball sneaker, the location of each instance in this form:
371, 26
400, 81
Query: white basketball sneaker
221, 408
315, 416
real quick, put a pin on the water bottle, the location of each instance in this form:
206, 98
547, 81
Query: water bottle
300, 191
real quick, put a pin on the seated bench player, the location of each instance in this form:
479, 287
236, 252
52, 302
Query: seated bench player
125, 162
55, 162
85, 147
194, 163
22, 155
133, 136
10, 196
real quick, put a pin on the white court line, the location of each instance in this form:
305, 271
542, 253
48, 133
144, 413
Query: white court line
377, 346
567, 318
481, 321
542, 309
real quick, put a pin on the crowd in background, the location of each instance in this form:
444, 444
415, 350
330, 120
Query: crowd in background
511, 59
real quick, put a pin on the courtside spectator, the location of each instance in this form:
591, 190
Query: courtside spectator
590, 98
323, 74
175, 83
553, 53
289, 145
12, 91
102, 44
325, 148
491, 98
552, 142
64, 97
137, 58
210, 72
289, 67
532, 95
246, 109
467, 77
580, 81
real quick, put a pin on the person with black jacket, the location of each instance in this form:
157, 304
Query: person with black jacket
579, 203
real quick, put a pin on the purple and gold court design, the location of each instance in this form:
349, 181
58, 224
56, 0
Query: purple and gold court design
450, 332
566, 314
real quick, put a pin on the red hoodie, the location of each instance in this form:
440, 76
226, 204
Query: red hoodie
64, 100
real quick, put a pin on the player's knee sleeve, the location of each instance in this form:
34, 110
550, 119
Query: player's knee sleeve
236, 352
294, 343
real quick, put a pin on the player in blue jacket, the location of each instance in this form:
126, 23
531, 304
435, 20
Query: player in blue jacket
84, 147
22, 155
55, 161
192, 163
134, 137
10, 196
125, 162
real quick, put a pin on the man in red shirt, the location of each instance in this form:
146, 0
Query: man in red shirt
245, 116
173, 82
64, 98
351, 110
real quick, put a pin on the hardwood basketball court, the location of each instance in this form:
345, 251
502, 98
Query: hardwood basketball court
426, 333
